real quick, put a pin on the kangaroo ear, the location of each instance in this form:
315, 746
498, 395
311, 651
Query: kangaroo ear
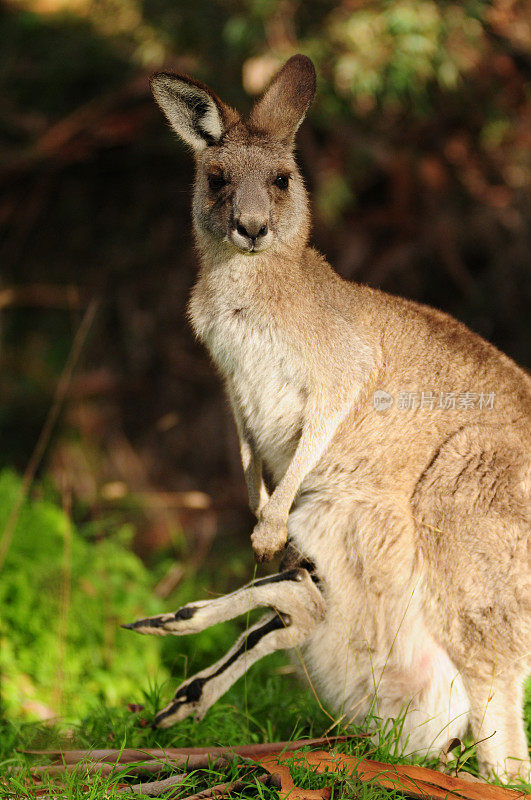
192, 109
284, 104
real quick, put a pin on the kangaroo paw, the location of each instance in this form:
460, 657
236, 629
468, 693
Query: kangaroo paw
187, 701
178, 623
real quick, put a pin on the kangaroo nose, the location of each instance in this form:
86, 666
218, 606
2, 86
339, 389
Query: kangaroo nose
251, 228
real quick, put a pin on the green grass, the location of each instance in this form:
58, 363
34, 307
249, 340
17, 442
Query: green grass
266, 705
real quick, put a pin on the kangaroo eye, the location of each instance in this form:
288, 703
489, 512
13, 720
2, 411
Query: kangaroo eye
281, 181
216, 182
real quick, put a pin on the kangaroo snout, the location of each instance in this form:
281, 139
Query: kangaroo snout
250, 232
252, 228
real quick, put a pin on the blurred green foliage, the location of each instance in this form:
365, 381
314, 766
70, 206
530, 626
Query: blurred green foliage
63, 598
396, 53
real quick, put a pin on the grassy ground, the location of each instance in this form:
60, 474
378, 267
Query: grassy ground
269, 704
64, 590
266, 706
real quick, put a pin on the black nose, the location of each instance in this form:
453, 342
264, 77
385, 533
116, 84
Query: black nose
252, 230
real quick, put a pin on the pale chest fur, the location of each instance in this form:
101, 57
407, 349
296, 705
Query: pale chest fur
263, 375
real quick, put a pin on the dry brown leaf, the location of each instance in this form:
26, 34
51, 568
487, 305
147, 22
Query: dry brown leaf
272, 764
416, 781
228, 789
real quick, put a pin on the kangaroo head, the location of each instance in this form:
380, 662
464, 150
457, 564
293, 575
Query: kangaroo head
248, 192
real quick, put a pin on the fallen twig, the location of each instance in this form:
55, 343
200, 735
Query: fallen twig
89, 767
107, 767
128, 755
155, 788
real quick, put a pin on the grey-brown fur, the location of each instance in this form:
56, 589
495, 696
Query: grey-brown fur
417, 521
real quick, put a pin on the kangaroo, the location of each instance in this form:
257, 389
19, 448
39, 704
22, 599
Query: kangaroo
385, 449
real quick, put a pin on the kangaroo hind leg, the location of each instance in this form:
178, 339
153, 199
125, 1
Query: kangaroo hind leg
274, 631
297, 608
287, 587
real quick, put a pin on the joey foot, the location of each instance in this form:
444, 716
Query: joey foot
268, 538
